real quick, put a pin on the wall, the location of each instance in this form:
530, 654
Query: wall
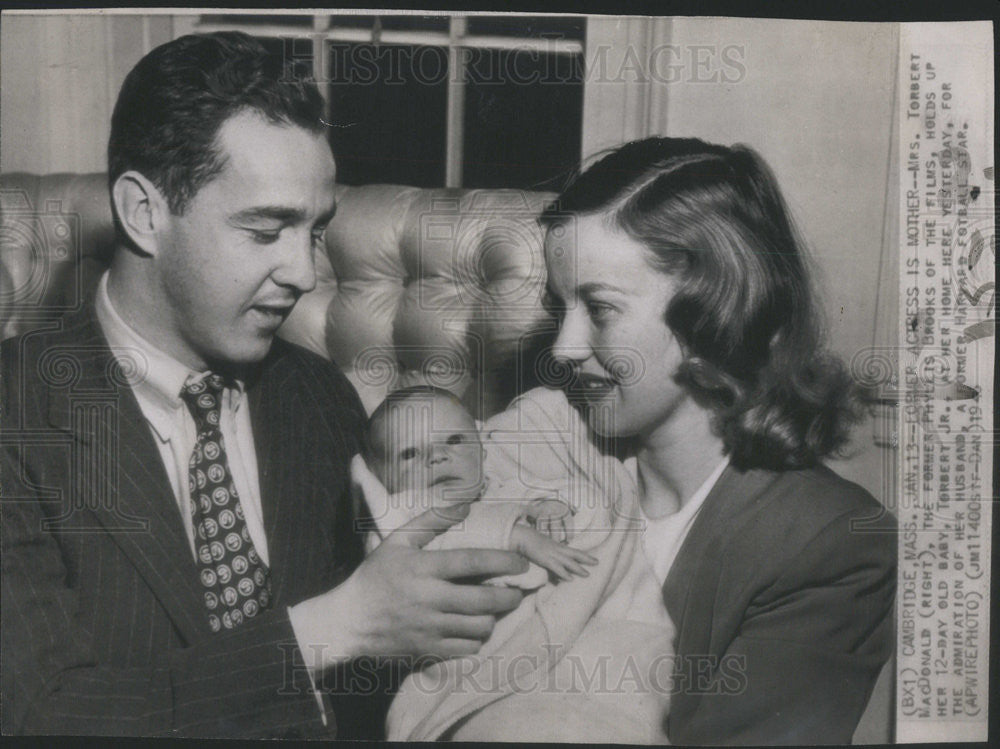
60, 76
815, 99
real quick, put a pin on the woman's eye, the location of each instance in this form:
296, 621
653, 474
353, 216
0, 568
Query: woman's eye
598, 310
408, 453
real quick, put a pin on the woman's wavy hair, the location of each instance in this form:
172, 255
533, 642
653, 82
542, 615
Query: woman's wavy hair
744, 311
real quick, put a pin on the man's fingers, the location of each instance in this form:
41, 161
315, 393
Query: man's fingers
480, 599
458, 563
467, 627
452, 647
418, 532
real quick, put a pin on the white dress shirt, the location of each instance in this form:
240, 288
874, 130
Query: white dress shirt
662, 537
157, 383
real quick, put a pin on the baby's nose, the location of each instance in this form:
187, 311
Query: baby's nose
439, 454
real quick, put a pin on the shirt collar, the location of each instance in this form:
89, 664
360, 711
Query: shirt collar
699, 496
156, 377
689, 508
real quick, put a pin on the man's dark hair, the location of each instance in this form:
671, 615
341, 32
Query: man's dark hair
174, 101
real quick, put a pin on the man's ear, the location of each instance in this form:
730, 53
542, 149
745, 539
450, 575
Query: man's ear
141, 208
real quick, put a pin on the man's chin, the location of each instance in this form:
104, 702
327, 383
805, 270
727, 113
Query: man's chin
251, 352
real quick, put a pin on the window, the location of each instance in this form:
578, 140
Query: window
458, 101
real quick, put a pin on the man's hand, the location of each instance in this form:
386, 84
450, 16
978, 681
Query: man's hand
562, 561
405, 601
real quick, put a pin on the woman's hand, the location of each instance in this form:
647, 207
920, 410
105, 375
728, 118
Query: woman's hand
562, 561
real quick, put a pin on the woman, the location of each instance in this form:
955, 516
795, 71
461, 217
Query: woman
699, 405
688, 320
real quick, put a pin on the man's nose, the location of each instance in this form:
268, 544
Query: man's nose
297, 269
573, 342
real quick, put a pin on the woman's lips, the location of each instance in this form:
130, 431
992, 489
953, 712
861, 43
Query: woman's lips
592, 385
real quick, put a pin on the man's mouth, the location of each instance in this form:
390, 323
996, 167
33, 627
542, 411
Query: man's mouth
273, 314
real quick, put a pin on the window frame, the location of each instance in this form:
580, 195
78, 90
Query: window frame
325, 31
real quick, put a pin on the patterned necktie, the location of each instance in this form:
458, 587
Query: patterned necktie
236, 580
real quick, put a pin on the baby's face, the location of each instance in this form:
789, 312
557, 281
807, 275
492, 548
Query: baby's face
430, 442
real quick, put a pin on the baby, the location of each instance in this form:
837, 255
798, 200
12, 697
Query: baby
531, 680
424, 447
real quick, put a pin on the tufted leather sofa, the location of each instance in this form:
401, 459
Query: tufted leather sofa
417, 285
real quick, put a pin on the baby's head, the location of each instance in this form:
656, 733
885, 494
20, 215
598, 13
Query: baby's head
423, 438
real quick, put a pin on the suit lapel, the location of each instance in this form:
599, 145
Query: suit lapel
300, 484
129, 494
276, 416
732, 495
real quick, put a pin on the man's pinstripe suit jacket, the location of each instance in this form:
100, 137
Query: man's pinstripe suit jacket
103, 622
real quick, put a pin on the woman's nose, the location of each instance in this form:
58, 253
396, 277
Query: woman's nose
573, 342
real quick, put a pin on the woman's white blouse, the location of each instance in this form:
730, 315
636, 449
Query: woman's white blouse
662, 537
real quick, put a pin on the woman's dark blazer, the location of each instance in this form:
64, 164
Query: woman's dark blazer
782, 594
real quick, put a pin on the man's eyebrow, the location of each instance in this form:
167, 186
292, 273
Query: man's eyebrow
327, 216
284, 214
269, 212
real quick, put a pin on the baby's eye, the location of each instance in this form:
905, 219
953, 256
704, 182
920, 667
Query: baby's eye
408, 453
455, 439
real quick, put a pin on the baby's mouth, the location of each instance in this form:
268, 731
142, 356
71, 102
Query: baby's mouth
447, 479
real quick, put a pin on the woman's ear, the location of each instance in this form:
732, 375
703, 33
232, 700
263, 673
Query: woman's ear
141, 209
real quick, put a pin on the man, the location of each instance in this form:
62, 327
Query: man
180, 553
